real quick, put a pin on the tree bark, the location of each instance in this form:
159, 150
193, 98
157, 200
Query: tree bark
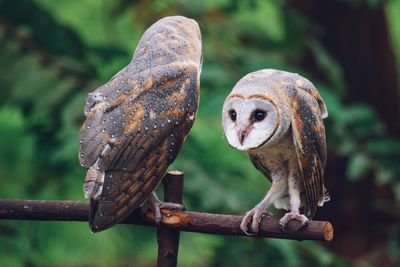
221, 224
168, 239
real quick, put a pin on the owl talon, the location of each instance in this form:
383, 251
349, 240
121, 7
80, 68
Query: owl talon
293, 216
154, 204
254, 216
246, 220
247, 233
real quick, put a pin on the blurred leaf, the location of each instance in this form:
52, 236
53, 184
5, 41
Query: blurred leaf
329, 66
253, 19
396, 188
17, 158
384, 146
358, 166
392, 9
384, 175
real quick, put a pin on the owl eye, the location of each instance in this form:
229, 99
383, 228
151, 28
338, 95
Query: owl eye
232, 114
259, 115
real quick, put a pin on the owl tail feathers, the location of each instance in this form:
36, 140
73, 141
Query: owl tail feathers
93, 184
124, 194
98, 219
96, 223
93, 206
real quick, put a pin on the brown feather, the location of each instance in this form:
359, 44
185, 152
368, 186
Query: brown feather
258, 163
310, 147
137, 122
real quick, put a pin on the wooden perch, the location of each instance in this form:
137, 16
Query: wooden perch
172, 221
168, 239
52, 210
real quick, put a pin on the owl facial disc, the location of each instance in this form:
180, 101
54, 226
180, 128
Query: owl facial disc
249, 122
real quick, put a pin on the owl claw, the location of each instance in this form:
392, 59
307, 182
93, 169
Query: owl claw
154, 204
254, 216
293, 216
247, 233
245, 221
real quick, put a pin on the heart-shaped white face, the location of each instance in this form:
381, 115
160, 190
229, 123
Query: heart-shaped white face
249, 122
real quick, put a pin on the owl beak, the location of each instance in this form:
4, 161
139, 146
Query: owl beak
243, 134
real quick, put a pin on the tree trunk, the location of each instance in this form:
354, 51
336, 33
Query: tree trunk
358, 37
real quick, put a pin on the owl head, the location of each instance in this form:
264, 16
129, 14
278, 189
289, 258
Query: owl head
254, 113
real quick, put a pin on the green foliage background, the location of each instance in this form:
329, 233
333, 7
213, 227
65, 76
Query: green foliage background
54, 52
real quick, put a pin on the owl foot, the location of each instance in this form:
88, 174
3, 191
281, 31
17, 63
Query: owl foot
154, 204
293, 216
254, 216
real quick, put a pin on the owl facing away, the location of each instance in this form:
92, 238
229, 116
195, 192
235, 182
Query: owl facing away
136, 123
276, 117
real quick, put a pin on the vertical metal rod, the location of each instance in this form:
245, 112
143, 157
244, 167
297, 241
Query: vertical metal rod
167, 239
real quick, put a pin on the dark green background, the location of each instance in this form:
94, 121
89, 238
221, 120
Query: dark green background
52, 53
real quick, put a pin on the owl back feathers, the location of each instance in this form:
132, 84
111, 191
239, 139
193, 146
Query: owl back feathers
171, 39
137, 122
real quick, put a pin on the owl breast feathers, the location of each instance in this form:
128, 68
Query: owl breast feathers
276, 117
137, 122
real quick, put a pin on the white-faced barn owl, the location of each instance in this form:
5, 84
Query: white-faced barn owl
276, 118
136, 123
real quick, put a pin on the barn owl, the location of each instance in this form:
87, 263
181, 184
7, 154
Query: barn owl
276, 118
136, 122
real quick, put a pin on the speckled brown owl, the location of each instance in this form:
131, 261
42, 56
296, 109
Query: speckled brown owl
136, 123
276, 117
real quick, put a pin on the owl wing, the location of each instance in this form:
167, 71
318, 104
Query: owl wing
133, 131
309, 139
258, 163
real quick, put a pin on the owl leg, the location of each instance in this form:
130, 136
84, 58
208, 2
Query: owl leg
294, 214
258, 212
155, 204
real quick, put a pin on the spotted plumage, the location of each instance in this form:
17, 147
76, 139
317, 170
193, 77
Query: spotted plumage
276, 117
136, 123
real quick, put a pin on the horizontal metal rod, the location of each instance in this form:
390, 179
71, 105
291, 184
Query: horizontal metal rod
53, 210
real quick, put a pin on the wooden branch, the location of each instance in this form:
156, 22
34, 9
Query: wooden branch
168, 239
52, 210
